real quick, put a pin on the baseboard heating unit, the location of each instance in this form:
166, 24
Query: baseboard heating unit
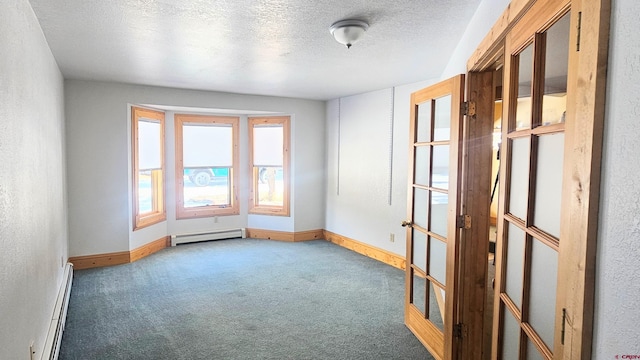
208, 235
56, 328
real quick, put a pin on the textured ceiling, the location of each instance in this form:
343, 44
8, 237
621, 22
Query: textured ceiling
265, 47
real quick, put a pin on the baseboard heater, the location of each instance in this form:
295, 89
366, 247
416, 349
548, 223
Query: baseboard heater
56, 328
209, 235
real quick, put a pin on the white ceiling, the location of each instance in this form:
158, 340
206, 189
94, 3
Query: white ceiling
264, 47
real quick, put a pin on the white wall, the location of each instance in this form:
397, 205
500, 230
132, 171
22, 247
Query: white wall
358, 149
484, 18
33, 223
618, 273
361, 147
98, 144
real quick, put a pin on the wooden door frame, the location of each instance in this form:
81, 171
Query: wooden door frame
581, 182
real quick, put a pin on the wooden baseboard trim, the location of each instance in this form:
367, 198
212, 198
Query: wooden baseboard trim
100, 260
373, 252
150, 248
285, 235
308, 235
119, 258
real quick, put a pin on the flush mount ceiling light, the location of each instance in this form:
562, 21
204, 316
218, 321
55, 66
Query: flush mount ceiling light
347, 32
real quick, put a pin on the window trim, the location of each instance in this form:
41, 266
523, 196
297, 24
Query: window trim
212, 210
159, 213
254, 208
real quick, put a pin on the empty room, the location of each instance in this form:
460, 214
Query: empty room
284, 179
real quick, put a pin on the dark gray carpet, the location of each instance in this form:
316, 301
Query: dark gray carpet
241, 299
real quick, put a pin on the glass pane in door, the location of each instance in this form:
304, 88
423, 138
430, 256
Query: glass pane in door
519, 187
439, 211
422, 162
420, 207
544, 279
549, 183
523, 101
510, 336
436, 306
515, 264
554, 101
420, 250
419, 293
440, 177
442, 121
438, 260
423, 122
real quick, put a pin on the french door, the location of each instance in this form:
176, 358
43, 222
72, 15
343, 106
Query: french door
527, 320
434, 203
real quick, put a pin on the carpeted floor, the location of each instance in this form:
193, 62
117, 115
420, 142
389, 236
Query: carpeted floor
241, 299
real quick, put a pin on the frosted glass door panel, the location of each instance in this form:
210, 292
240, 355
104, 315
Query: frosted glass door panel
422, 165
442, 119
439, 208
554, 102
523, 105
510, 336
519, 187
515, 264
549, 183
420, 207
438, 260
542, 305
423, 120
420, 250
532, 352
419, 293
440, 167
435, 313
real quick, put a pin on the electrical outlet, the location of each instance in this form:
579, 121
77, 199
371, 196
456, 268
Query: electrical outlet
32, 351
392, 237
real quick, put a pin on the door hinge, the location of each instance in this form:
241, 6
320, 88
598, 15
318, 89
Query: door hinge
579, 28
457, 331
564, 320
463, 222
468, 108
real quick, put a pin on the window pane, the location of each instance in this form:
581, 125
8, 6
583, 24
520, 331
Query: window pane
206, 145
554, 101
442, 119
206, 187
523, 105
270, 186
149, 144
145, 192
268, 145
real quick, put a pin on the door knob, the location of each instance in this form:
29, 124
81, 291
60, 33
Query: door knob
406, 223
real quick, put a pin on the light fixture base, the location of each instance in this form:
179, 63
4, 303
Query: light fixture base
347, 32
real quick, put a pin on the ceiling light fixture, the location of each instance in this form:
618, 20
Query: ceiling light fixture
347, 32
